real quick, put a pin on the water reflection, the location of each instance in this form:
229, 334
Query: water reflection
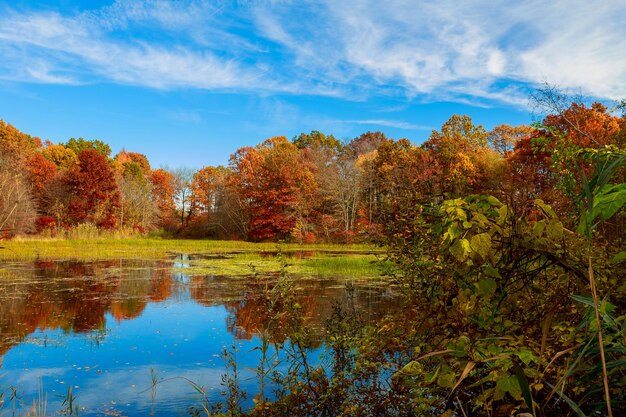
100, 327
75, 296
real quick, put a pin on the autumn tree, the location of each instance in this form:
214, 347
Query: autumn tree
570, 130
343, 188
274, 184
183, 203
317, 139
163, 195
95, 197
41, 172
61, 156
137, 209
17, 208
503, 138
80, 144
321, 155
406, 172
211, 201
124, 157
365, 143
356, 186
15, 146
458, 148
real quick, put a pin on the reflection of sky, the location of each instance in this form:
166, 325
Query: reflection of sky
114, 371
132, 318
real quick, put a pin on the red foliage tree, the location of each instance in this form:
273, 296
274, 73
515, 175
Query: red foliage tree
586, 127
41, 172
94, 193
275, 184
528, 175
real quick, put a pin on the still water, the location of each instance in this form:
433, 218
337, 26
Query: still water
107, 329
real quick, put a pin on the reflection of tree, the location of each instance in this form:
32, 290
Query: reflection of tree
249, 308
75, 296
160, 285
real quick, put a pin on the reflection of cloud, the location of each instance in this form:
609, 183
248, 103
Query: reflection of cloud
28, 379
173, 392
127, 388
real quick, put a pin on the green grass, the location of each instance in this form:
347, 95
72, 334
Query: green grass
208, 256
357, 265
146, 248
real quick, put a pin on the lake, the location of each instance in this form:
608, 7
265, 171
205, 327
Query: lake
108, 329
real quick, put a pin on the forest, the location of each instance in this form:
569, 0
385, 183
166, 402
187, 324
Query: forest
508, 244
310, 188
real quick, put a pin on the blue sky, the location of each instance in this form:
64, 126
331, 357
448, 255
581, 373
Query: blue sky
189, 82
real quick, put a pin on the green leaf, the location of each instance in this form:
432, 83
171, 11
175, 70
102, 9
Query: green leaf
554, 229
454, 231
481, 244
608, 200
526, 356
460, 249
502, 214
486, 287
410, 369
446, 377
546, 208
620, 257
539, 227
508, 384
523, 383
494, 201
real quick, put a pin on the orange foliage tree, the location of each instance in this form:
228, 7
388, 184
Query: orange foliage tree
163, 194
458, 149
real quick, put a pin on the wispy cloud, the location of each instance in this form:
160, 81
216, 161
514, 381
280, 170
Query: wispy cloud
74, 50
398, 124
426, 51
468, 52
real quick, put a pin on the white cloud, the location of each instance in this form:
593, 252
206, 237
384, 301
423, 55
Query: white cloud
428, 50
450, 48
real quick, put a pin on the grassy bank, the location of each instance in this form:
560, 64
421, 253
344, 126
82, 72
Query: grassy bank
140, 248
357, 265
207, 256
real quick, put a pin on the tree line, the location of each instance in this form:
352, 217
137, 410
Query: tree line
310, 188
